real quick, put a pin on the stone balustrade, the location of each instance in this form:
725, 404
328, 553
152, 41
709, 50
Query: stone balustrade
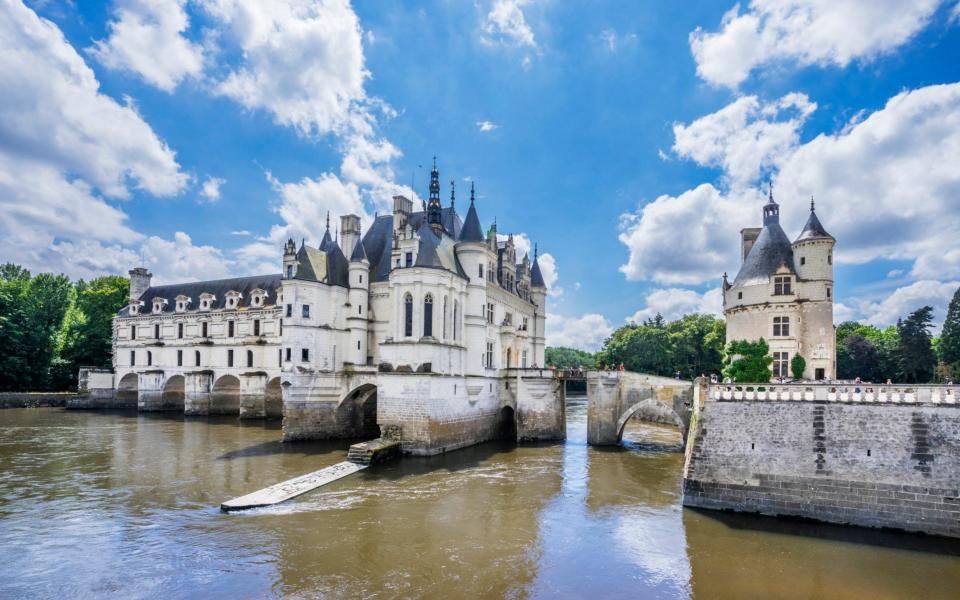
833, 392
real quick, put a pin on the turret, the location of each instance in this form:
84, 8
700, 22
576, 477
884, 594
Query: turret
434, 209
538, 295
289, 259
813, 252
139, 282
358, 320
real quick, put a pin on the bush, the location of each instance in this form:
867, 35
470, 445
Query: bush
797, 366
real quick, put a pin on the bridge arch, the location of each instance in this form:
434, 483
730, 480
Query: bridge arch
273, 399
225, 397
357, 412
174, 393
128, 388
507, 424
648, 405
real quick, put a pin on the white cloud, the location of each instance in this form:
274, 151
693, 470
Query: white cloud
586, 332
611, 41
745, 137
842, 312
507, 24
886, 187
180, 260
146, 37
486, 126
242, 232
210, 190
63, 147
805, 32
909, 298
673, 303
302, 62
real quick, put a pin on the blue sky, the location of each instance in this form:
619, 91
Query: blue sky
629, 140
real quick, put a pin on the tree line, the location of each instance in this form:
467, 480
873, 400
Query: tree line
694, 344
50, 327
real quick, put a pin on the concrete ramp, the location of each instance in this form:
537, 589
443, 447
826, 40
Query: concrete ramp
283, 491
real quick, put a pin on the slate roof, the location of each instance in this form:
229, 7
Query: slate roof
813, 229
472, 232
378, 241
326, 266
771, 250
358, 254
219, 288
536, 277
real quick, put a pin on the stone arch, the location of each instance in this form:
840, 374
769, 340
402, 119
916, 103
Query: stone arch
357, 412
174, 393
225, 397
273, 399
128, 388
649, 405
507, 424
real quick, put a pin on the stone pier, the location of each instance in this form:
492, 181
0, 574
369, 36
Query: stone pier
198, 386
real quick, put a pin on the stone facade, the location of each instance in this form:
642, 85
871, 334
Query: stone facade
784, 294
425, 327
876, 457
616, 396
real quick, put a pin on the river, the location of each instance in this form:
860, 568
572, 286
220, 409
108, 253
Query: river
125, 506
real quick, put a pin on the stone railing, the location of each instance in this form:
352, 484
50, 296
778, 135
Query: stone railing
853, 393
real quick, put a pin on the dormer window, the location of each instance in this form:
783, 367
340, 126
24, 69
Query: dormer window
233, 299
258, 298
159, 304
782, 286
135, 307
183, 303
206, 301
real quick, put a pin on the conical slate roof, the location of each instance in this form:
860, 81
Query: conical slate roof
770, 251
536, 277
359, 254
427, 255
471, 232
813, 229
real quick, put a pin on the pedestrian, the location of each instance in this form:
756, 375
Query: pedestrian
621, 367
678, 374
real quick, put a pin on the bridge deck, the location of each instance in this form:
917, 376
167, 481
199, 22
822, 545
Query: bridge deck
292, 488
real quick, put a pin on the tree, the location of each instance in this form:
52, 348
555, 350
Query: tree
949, 346
568, 358
640, 348
748, 362
915, 358
797, 366
697, 344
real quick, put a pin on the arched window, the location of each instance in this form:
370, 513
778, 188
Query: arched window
428, 316
408, 315
196, 355
149, 358
249, 358
444, 317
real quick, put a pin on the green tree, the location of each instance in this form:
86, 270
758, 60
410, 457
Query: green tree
31, 311
85, 338
697, 344
748, 362
797, 365
949, 347
915, 358
640, 348
568, 358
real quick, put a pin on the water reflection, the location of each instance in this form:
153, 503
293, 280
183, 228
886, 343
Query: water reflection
125, 505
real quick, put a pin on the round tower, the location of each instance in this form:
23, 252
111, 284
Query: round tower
475, 257
538, 295
359, 321
813, 257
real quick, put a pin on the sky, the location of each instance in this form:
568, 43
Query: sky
630, 141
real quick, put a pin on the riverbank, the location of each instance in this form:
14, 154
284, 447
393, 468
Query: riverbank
35, 399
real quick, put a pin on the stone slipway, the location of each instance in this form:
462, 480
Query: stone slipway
292, 488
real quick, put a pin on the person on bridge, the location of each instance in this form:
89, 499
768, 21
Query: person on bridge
621, 367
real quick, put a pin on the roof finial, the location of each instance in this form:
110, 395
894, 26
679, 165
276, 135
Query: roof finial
536, 251
770, 189
811, 203
453, 199
471, 192
328, 220
336, 235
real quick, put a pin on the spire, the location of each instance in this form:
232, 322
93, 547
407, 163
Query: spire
471, 230
536, 277
359, 254
813, 229
326, 235
328, 220
453, 200
434, 210
811, 204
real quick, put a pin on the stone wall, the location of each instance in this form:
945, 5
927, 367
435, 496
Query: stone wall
616, 396
34, 399
888, 464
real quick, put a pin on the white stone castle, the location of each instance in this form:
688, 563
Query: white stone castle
424, 330
784, 294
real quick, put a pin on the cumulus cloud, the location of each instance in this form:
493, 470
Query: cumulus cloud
673, 303
506, 23
886, 188
486, 126
180, 260
146, 37
586, 332
210, 190
745, 137
805, 32
909, 298
64, 149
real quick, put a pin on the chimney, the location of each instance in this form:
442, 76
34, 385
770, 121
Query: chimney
139, 282
349, 233
402, 207
747, 237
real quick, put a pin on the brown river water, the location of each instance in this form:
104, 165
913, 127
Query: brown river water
126, 506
